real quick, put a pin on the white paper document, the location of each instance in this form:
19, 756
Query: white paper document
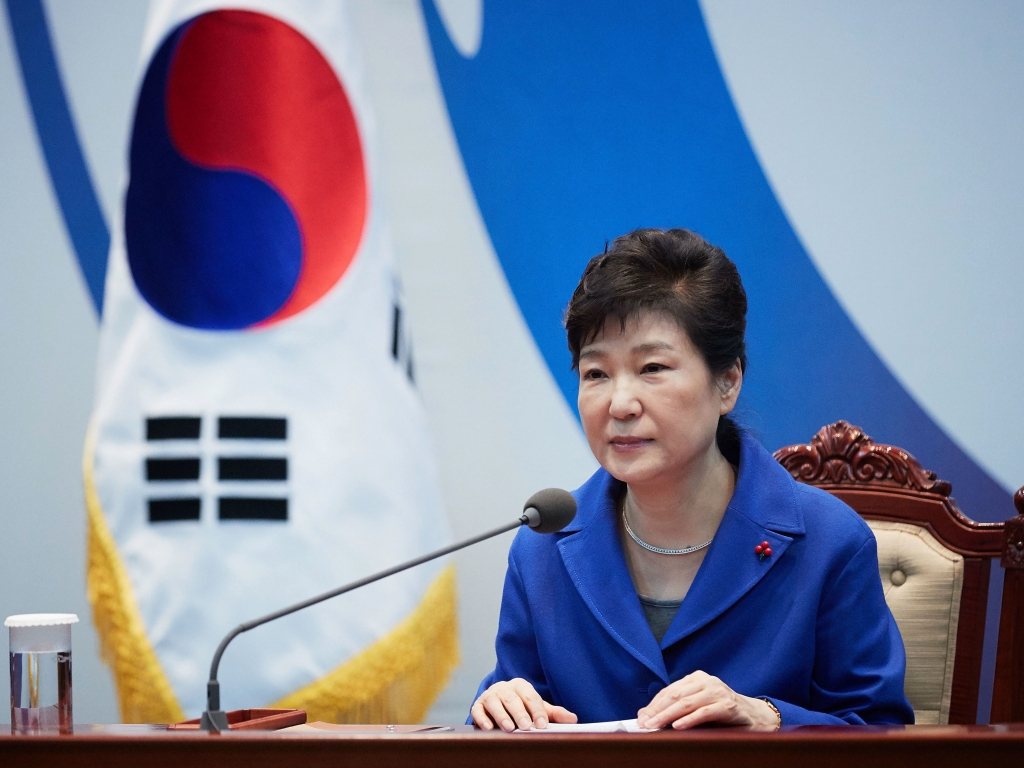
613, 726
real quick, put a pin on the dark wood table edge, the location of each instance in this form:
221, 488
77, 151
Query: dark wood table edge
838, 747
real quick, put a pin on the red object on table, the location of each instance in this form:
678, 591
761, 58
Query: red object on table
251, 720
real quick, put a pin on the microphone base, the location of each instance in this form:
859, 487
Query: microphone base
214, 721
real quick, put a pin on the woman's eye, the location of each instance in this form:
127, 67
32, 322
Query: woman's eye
653, 368
593, 374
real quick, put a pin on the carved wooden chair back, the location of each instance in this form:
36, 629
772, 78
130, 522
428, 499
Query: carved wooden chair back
935, 565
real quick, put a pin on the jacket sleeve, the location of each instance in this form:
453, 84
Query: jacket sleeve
515, 645
859, 657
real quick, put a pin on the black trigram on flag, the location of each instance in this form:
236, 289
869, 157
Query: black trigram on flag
180, 469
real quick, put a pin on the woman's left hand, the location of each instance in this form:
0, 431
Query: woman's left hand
700, 698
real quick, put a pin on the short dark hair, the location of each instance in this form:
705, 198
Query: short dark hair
677, 272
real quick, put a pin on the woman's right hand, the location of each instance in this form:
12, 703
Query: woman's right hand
516, 703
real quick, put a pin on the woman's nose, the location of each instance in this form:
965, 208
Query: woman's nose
624, 403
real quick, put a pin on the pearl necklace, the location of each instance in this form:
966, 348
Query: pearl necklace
659, 550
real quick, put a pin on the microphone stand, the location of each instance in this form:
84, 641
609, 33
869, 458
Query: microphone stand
215, 720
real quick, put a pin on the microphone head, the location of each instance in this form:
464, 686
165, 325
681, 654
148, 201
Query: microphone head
550, 510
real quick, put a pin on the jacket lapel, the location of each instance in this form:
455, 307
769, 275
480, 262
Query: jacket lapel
764, 507
592, 554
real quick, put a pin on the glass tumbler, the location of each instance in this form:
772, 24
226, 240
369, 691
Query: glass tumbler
41, 672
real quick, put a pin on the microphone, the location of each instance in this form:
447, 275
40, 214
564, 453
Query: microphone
547, 511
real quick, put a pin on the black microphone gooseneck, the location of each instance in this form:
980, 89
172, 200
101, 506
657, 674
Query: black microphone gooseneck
546, 511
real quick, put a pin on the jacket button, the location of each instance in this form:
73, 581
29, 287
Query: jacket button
653, 688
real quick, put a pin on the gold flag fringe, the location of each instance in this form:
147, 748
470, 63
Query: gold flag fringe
143, 691
395, 680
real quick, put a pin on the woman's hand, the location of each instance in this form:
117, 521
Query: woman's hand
513, 703
700, 698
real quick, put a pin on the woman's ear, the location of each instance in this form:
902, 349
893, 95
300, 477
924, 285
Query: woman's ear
729, 385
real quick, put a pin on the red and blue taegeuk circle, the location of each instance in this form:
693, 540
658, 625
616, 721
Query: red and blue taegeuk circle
247, 197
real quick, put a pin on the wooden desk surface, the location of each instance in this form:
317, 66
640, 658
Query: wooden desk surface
856, 747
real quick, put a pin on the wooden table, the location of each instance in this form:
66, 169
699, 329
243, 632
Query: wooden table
856, 747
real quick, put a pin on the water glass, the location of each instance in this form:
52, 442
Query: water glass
40, 646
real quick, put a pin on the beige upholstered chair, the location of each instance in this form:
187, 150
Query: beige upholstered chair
934, 564
923, 583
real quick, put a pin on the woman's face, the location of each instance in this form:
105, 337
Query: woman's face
648, 402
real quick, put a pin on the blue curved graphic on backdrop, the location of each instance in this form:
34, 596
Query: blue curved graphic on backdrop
578, 122
211, 249
58, 138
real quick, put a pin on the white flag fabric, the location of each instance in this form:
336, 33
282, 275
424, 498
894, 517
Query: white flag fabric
257, 436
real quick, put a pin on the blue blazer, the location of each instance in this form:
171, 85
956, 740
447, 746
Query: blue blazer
807, 627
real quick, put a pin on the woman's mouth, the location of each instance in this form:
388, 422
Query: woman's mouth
629, 444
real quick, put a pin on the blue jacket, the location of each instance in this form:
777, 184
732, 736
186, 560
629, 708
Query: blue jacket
807, 627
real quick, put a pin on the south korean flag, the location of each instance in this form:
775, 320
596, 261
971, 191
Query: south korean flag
257, 435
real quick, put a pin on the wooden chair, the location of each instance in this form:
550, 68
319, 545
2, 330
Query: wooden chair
935, 565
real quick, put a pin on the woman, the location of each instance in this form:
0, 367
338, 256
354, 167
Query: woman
699, 583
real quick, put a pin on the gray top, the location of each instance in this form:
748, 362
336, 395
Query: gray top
659, 614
